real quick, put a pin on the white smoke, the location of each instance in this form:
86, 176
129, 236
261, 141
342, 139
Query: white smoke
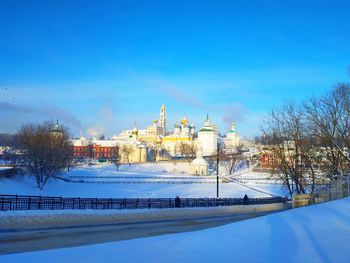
95, 131
105, 116
234, 113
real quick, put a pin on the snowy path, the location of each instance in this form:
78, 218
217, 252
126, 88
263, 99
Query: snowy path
37, 230
318, 233
50, 238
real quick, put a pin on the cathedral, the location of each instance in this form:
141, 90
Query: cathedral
183, 133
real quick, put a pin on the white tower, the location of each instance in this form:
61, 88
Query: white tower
162, 119
208, 137
233, 136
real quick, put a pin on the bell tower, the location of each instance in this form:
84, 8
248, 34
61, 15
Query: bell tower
162, 119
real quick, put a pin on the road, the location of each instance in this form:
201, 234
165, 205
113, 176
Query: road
26, 240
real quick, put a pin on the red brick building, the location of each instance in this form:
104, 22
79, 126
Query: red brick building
95, 149
266, 160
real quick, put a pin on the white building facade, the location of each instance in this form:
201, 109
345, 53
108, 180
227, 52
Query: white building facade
232, 139
199, 166
208, 138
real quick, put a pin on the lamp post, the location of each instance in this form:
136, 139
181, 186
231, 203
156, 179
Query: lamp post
217, 173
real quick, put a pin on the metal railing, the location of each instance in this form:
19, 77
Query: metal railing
138, 180
21, 202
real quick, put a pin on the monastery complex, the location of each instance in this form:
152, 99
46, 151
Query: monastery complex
156, 142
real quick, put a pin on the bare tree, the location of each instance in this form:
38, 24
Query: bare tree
329, 122
125, 152
45, 150
230, 158
187, 150
291, 148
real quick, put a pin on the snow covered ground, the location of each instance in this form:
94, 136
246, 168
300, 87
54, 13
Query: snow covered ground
165, 168
318, 233
25, 185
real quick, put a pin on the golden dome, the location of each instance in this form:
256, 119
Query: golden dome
184, 121
135, 131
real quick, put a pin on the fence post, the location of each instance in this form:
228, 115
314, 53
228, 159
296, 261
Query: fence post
149, 202
16, 202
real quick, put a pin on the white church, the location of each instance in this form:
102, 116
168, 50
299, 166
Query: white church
208, 138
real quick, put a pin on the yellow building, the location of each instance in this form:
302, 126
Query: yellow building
132, 152
183, 134
151, 134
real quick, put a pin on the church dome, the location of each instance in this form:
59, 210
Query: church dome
184, 121
233, 128
56, 129
135, 131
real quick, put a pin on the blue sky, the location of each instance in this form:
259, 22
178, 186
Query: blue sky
105, 65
